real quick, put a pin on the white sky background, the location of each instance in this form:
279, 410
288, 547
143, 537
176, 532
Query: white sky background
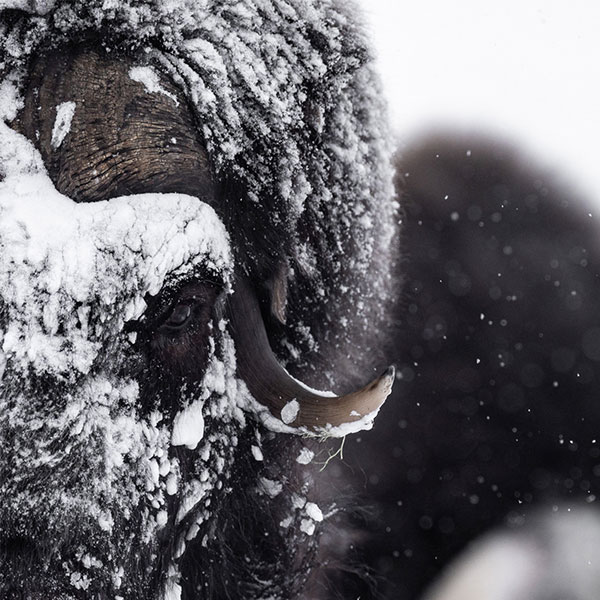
527, 71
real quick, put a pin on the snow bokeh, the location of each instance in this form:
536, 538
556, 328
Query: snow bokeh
554, 556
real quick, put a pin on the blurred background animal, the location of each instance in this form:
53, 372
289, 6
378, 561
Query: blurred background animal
495, 410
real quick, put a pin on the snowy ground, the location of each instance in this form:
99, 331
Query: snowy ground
526, 71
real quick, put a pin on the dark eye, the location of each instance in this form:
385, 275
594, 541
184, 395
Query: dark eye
179, 316
189, 309
176, 314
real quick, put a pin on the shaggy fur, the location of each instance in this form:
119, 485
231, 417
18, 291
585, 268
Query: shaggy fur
286, 101
296, 167
496, 334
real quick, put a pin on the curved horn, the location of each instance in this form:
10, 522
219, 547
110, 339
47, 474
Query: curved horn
315, 412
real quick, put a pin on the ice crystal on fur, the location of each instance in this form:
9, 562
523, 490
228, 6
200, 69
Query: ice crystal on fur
122, 482
289, 105
79, 452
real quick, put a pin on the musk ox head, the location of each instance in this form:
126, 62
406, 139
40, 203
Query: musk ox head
195, 208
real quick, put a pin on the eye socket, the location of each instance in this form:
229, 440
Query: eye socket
189, 307
180, 315
176, 313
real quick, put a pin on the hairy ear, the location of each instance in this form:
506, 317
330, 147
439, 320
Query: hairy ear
106, 127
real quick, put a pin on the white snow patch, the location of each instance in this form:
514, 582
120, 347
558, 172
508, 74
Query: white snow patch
89, 561
269, 487
305, 457
161, 518
62, 123
117, 578
188, 426
257, 453
290, 411
80, 581
192, 494
172, 589
149, 78
105, 522
298, 501
285, 523
313, 512
171, 486
307, 526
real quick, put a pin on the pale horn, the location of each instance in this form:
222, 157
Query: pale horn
270, 384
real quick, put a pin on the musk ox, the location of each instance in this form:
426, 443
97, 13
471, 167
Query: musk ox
199, 231
180, 181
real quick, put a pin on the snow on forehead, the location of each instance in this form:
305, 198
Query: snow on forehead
66, 266
70, 244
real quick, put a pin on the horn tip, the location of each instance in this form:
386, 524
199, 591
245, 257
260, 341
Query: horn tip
390, 373
384, 383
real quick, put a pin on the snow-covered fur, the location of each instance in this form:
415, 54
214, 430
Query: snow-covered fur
123, 479
291, 113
